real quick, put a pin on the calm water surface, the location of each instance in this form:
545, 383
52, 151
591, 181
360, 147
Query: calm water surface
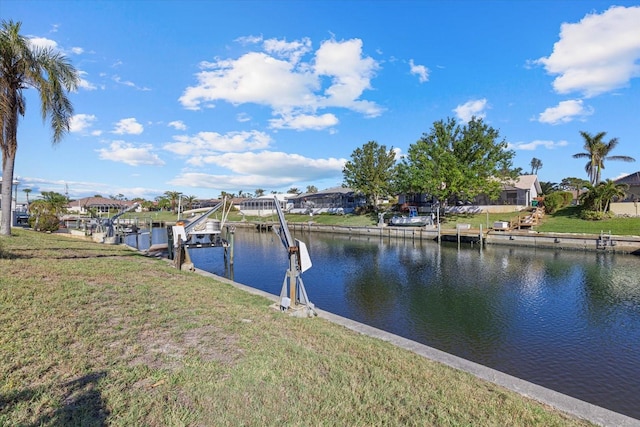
566, 320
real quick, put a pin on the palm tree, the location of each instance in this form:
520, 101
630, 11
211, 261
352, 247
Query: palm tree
548, 187
597, 151
189, 201
173, 197
23, 66
536, 165
26, 192
600, 196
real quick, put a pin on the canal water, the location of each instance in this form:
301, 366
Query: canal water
566, 320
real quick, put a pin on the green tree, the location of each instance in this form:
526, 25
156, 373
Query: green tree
536, 165
548, 187
189, 201
597, 151
456, 162
574, 184
259, 192
599, 197
294, 190
44, 214
370, 171
163, 202
312, 189
56, 201
173, 197
22, 66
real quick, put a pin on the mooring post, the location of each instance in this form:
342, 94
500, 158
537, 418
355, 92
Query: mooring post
150, 232
179, 258
231, 245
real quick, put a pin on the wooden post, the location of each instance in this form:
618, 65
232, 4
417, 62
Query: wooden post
178, 258
231, 245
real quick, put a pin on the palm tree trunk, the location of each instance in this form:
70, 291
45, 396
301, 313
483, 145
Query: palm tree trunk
7, 187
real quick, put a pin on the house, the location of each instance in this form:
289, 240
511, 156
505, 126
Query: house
264, 205
521, 192
515, 195
339, 200
628, 206
633, 181
98, 205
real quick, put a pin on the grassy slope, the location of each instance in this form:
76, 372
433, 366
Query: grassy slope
94, 334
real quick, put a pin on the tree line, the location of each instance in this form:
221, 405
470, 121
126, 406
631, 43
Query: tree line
456, 162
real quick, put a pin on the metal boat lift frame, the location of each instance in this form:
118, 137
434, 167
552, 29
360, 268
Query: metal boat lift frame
299, 261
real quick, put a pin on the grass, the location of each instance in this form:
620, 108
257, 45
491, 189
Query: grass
94, 334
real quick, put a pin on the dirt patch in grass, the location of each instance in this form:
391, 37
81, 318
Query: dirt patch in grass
159, 349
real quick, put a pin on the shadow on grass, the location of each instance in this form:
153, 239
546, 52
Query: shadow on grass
568, 212
81, 403
58, 253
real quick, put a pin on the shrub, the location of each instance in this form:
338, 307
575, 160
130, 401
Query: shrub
553, 202
591, 215
567, 197
557, 200
44, 222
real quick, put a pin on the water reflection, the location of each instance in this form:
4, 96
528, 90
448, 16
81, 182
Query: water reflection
566, 320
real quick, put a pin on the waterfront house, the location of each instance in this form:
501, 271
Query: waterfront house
265, 205
336, 200
99, 205
515, 195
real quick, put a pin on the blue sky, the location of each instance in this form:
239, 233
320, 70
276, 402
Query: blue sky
208, 96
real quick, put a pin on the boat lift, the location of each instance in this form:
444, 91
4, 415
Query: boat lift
299, 262
200, 232
107, 224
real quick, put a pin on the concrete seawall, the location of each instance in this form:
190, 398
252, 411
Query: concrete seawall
568, 241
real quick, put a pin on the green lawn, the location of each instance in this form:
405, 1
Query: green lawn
94, 335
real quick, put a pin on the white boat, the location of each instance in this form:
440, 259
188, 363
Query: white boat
413, 220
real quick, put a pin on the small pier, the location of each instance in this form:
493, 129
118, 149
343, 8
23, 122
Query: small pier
264, 226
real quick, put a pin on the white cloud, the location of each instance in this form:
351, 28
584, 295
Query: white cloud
243, 117
84, 83
351, 74
278, 164
178, 125
77, 50
292, 51
469, 109
280, 79
120, 151
43, 43
207, 143
533, 145
419, 70
129, 83
564, 112
598, 54
128, 126
264, 169
304, 122
80, 123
